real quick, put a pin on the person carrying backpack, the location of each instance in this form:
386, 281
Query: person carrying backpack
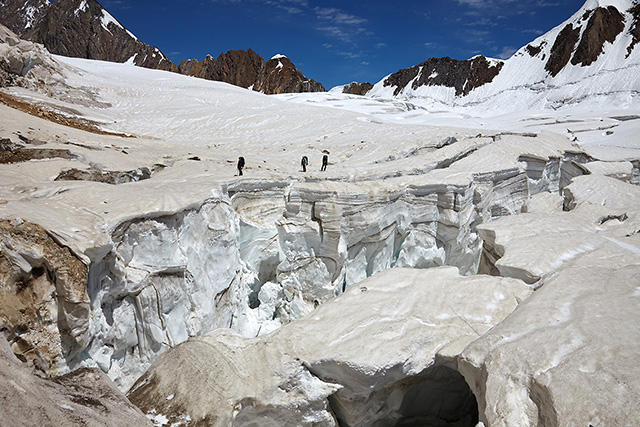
304, 162
240, 165
325, 162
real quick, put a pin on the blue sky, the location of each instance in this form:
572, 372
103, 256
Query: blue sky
336, 42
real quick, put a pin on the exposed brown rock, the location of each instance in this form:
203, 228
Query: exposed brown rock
25, 154
357, 88
188, 67
604, 26
107, 177
562, 49
464, 76
44, 307
86, 397
66, 28
535, 50
52, 116
248, 69
238, 67
635, 28
279, 75
83, 29
23, 16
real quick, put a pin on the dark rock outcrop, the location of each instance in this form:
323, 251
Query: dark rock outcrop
279, 75
562, 49
84, 29
635, 28
534, 51
23, 17
249, 70
583, 46
96, 174
357, 88
604, 26
236, 67
81, 29
462, 75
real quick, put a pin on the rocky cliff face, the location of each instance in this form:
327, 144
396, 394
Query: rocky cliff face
82, 29
357, 88
463, 76
279, 75
584, 43
237, 67
248, 69
598, 40
23, 16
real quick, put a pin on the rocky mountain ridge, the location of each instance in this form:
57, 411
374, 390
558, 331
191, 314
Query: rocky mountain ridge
249, 70
598, 39
84, 29
80, 28
463, 76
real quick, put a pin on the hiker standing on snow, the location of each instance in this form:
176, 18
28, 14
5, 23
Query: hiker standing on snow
240, 165
304, 162
325, 162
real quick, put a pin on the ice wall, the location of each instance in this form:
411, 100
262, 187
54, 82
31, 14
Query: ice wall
261, 254
257, 253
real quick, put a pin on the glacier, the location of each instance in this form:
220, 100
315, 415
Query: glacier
399, 238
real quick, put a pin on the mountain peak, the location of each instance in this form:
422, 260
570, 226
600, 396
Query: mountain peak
572, 62
621, 5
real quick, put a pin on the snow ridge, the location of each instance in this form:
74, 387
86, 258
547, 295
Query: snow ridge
526, 76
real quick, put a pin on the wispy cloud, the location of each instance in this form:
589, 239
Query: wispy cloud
338, 17
346, 35
116, 4
481, 22
338, 24
292, 7
507, 52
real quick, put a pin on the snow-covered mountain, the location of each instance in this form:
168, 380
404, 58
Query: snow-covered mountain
23, 17
80, 28
572, 62
84, 29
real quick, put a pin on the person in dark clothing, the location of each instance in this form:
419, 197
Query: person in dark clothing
240, 165
304, 162
325, 162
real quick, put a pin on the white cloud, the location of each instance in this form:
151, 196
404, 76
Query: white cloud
337, 16
507, 52
336, 23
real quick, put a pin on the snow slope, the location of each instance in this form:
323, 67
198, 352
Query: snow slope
525, 84
196, 247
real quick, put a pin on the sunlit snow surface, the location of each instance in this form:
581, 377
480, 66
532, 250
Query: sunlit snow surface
198, 217
188, 110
